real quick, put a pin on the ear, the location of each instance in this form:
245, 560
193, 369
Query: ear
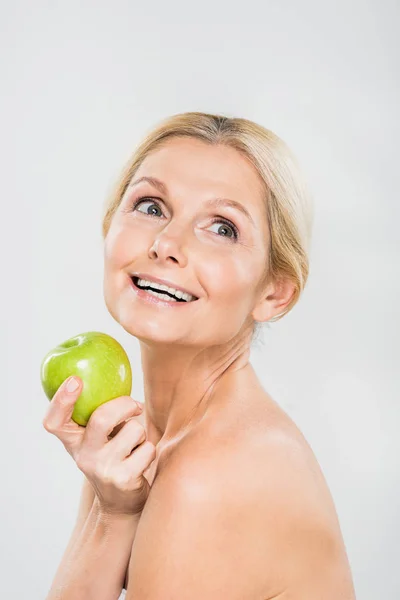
273, 299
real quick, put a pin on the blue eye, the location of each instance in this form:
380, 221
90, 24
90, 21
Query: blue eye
227, 224
152, 202
140, 201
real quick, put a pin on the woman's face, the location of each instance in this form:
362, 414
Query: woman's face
178, 234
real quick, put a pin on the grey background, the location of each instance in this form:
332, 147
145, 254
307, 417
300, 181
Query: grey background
81, 83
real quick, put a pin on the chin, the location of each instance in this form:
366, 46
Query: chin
146, 331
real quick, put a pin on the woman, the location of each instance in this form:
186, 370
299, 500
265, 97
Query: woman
212, 492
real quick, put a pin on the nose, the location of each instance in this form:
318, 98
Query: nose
168, 247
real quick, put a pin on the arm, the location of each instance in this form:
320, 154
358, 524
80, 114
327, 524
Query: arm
96, 560
85, 504
253, 531
198, 538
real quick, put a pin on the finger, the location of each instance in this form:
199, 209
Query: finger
58, 416
106, 416
62, 405
141, 457
131, 435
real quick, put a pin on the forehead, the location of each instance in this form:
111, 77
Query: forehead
187, 163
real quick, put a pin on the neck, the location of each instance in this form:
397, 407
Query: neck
180, 383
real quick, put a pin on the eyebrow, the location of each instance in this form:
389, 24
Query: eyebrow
216, 202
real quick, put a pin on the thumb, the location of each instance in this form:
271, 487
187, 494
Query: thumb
58, 416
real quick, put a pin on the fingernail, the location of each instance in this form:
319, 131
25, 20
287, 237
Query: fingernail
72, 385
140, 405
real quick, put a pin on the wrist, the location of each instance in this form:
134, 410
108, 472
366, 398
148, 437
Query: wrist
111, 516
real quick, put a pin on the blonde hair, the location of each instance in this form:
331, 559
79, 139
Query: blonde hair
288, 202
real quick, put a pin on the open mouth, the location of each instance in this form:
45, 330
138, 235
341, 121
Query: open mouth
158, 291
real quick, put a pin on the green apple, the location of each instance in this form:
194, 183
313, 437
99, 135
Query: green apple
99, 360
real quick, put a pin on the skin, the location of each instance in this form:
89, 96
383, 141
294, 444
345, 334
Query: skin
199, 384
184, 366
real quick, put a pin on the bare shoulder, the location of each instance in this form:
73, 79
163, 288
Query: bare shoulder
261, 454
264, 471
240, 505
199, 525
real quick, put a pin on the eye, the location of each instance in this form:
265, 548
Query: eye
148, 201
227, 225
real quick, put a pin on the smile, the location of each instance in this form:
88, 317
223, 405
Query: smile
160, 297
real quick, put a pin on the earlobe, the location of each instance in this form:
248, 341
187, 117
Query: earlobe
263, 312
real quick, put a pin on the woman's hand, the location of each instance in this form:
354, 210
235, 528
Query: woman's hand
114, 466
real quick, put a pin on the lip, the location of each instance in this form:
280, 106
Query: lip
163, 282
144, 295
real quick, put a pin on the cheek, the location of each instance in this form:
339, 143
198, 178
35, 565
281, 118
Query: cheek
232, 278
119, 247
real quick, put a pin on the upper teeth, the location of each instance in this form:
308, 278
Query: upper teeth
165, 288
